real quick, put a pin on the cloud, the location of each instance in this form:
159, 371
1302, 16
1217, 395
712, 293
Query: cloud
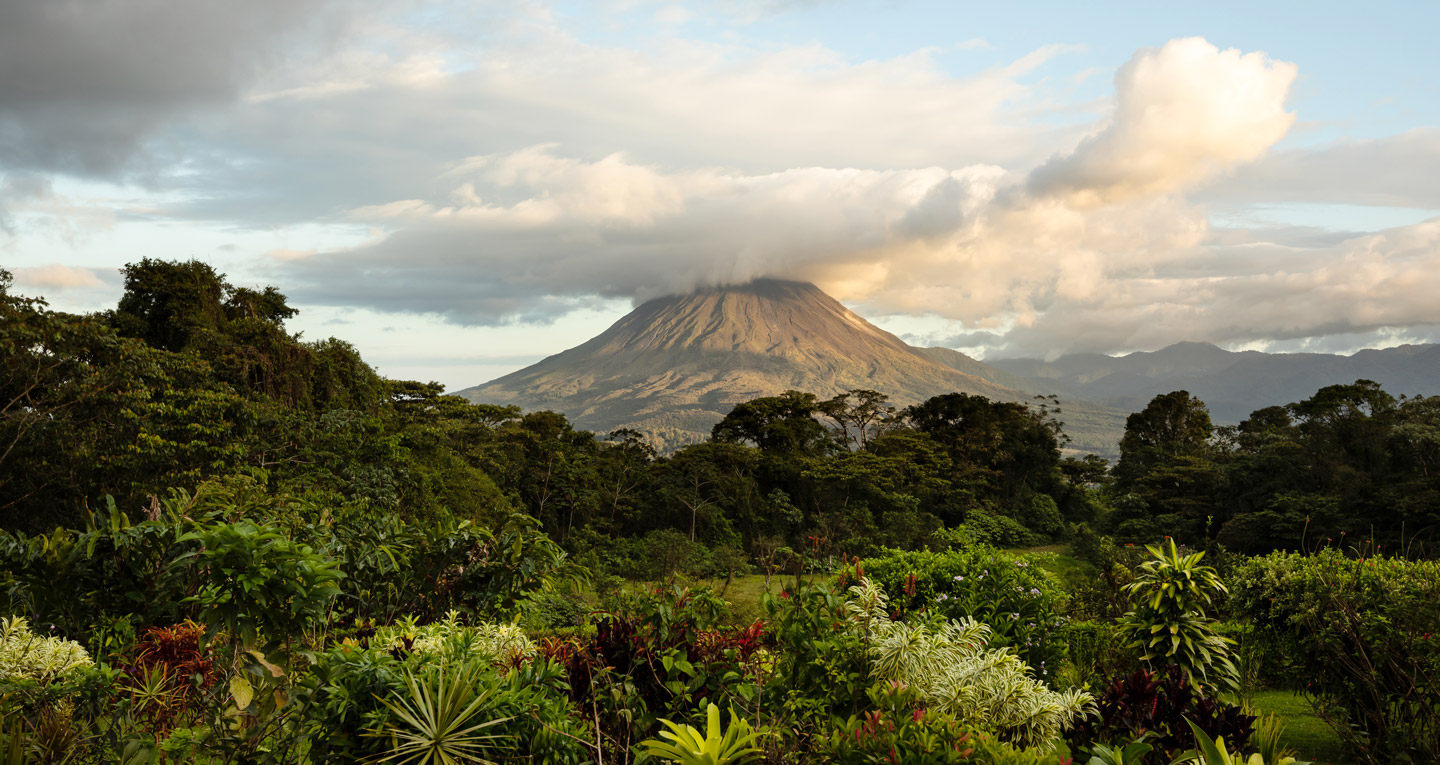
508, 171
533, 231
1183, 112
379, 123
1360, 285
1397, 171
58, 277
612, 228
84, 83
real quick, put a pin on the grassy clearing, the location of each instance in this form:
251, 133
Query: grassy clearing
1057, 561
744, 593
1306, 733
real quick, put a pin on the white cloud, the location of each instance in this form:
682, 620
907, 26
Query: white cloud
1396, 171
1183, 112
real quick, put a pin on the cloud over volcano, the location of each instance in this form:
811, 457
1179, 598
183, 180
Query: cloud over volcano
1096, 248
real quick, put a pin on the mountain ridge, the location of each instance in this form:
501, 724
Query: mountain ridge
1232, 383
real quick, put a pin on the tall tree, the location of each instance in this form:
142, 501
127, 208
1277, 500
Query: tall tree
1167, 479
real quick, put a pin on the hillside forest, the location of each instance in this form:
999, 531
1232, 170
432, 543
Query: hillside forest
220, 542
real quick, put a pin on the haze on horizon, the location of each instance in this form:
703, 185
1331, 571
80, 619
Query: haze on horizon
462, 188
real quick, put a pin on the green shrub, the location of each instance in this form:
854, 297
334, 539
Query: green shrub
1094, 653
985, 526
1364, 636
899, 728
552, 610
256, 583
340, 698
1007, 593
819, 668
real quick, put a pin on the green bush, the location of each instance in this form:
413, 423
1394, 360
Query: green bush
1007, 593
987, 526
1364, 636
900, 728
1094, 654
257, 584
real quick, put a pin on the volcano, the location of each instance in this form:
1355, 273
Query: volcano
674, 366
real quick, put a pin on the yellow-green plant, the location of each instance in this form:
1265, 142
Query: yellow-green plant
1267, 739
504, 644
1213, 752
25, 655
1132, 753
1168, 624
957, 673
730, 746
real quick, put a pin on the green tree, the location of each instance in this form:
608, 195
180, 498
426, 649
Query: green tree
859, 415
785, 424
1172, 425
1167, 480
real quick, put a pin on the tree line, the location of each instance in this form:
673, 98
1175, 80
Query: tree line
190, 378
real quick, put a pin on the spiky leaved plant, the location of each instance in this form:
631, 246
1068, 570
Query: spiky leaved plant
1132, 753
1167, 621
727, 746
438, 721
956, 673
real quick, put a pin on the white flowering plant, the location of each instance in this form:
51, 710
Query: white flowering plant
24, 655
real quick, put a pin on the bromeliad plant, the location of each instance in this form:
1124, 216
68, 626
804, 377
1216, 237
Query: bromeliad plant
436, 722
1167, 621
719, 746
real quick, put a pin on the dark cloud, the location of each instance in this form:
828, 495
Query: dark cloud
84, 83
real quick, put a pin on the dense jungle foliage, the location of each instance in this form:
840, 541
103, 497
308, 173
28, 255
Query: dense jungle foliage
222, 543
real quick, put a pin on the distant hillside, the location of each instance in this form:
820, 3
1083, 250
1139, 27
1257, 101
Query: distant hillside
1233, 384
676, 365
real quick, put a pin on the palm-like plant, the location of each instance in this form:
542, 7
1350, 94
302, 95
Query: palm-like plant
1168, 621
731, 746
435, 725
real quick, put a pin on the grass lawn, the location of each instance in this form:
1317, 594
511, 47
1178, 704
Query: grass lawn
744, 593
1058, 562
1306, 733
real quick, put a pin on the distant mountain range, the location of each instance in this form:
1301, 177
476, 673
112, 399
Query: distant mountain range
675, 366
1232, 383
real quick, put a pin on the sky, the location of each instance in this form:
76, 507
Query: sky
463, 188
